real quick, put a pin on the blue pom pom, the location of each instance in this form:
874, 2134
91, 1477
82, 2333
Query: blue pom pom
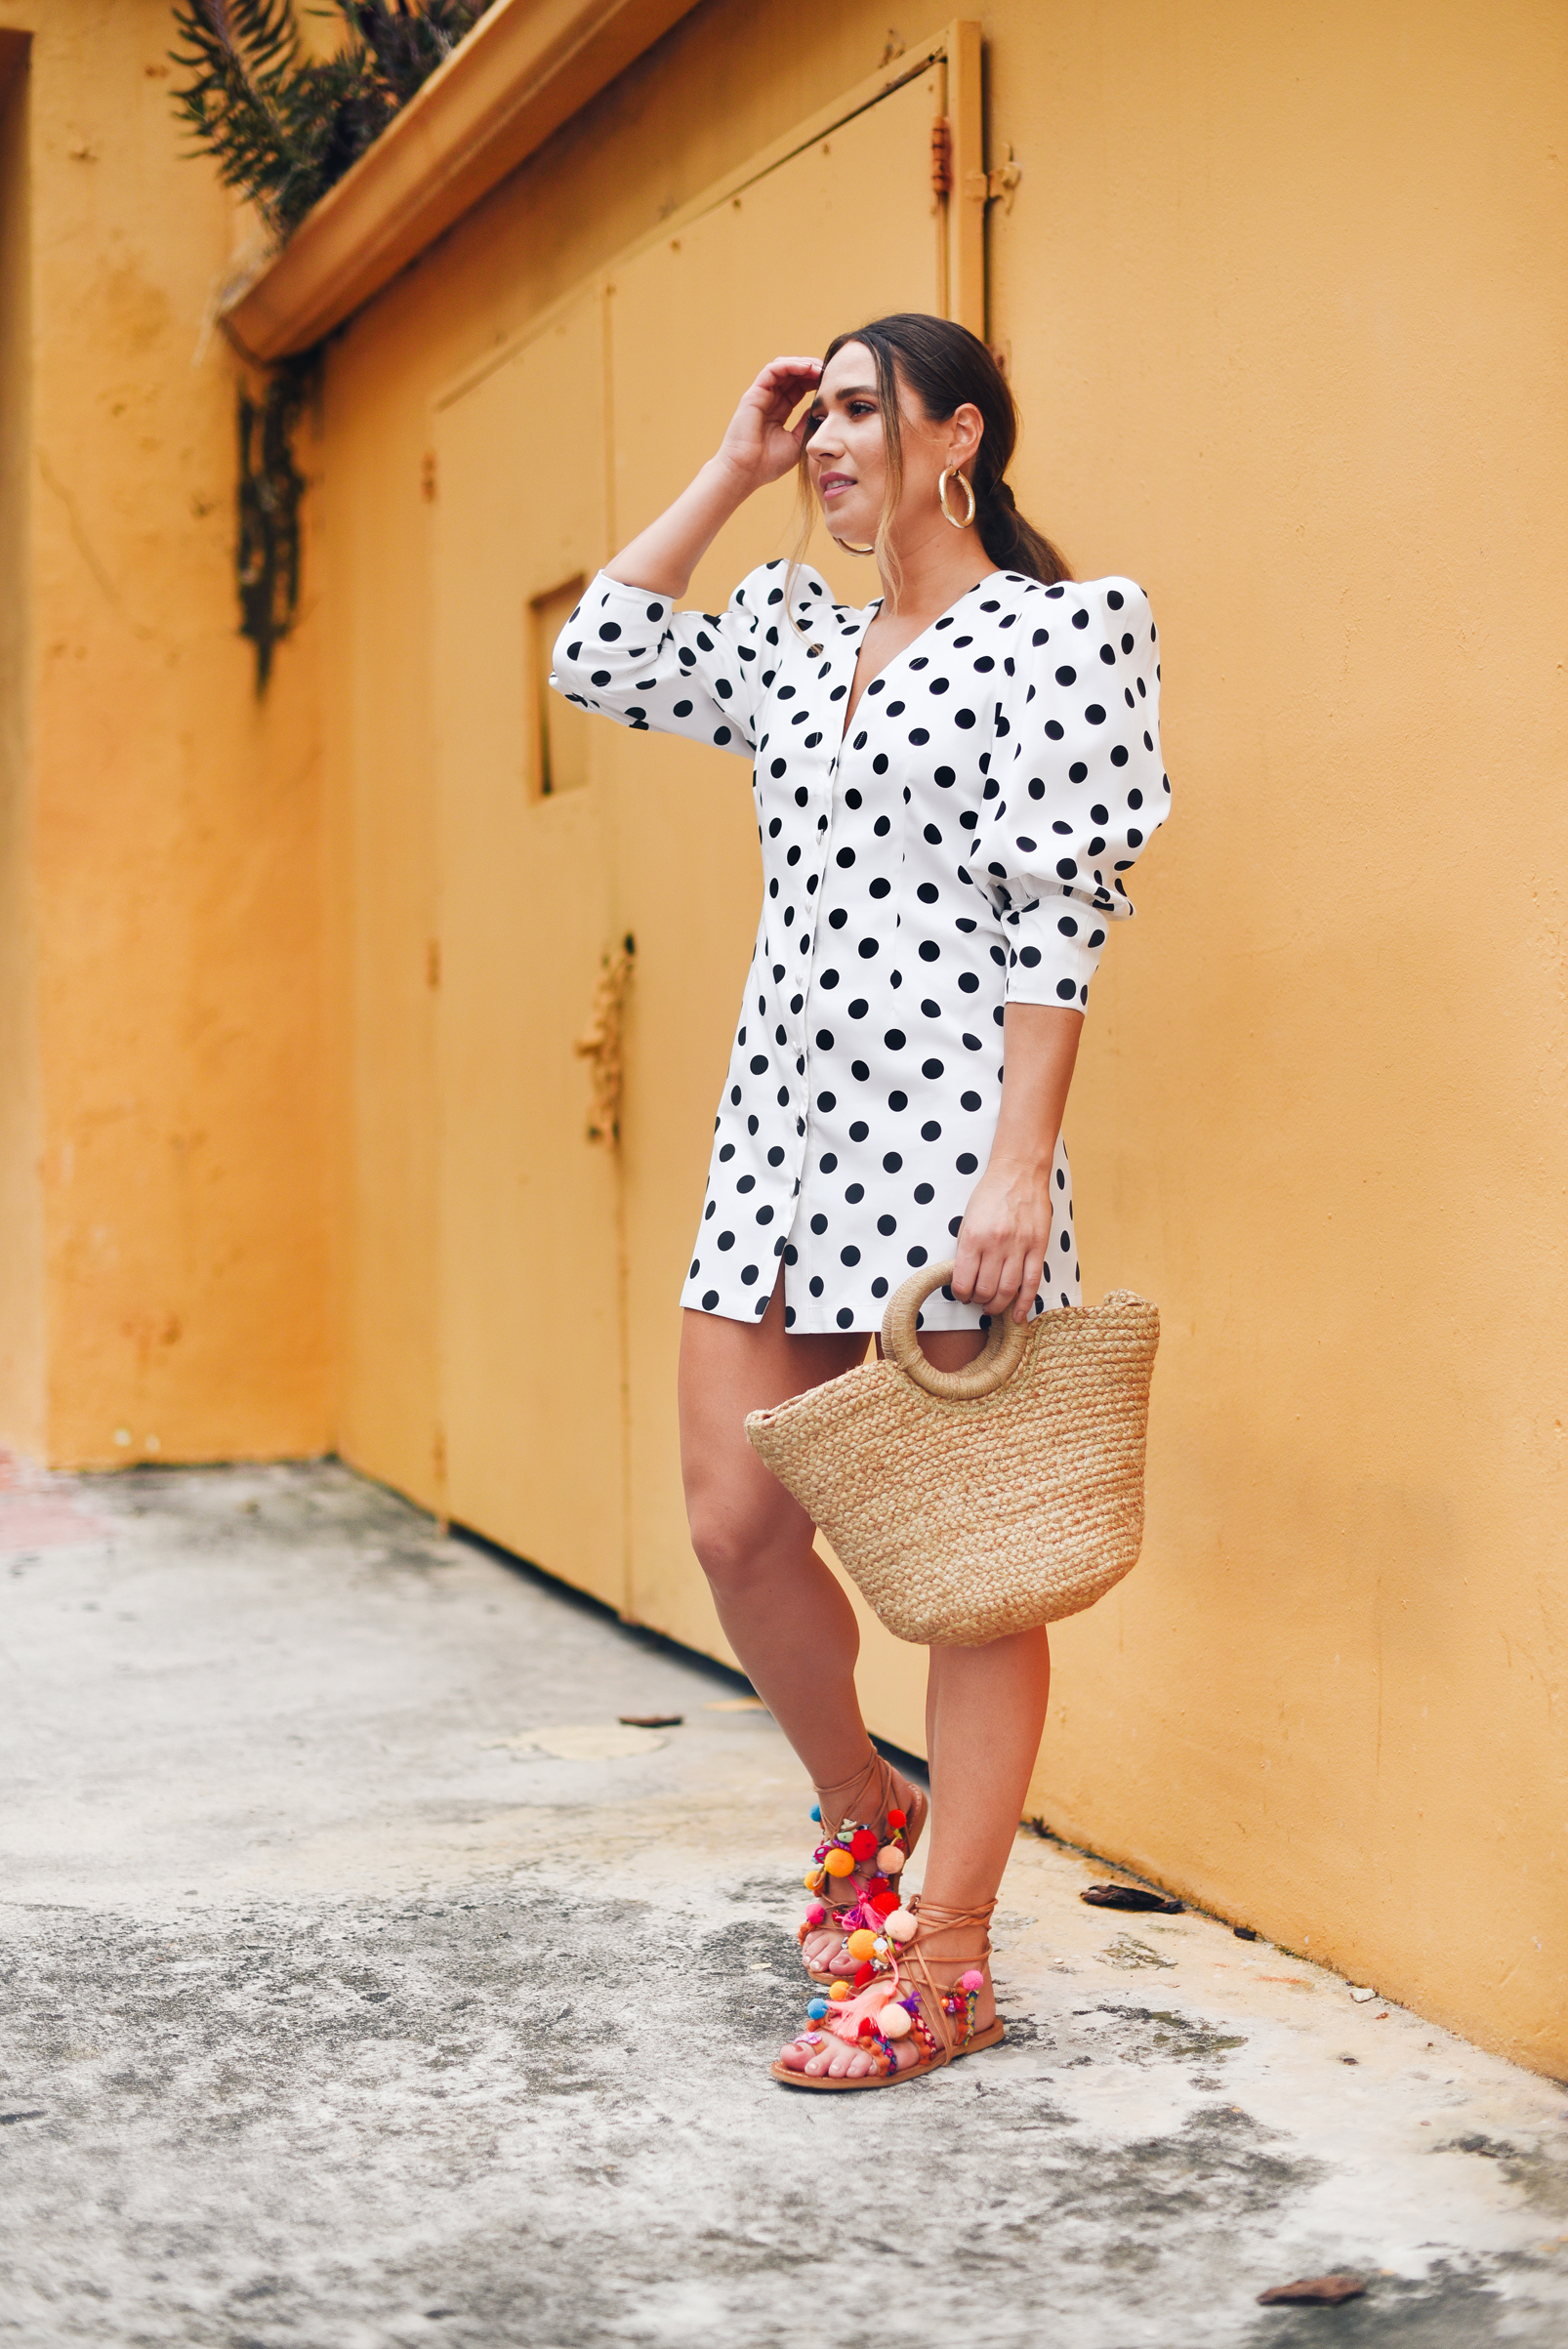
817, 2009
817, 1812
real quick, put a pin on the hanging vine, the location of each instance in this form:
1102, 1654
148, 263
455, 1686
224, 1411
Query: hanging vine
284, 126
271, 488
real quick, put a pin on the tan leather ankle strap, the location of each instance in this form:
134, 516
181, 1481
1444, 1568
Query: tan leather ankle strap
913, 1958
842, 1800
931, 1913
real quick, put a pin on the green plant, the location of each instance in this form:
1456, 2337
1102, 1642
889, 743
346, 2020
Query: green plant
284, 126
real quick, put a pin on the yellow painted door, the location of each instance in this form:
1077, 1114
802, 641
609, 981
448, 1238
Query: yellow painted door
844, 231
529, 1245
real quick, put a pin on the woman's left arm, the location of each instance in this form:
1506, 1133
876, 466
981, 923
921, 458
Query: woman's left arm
1005, 1233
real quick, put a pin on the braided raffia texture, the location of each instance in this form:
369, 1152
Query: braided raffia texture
963, 1521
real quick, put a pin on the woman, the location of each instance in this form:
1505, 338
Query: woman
949, 787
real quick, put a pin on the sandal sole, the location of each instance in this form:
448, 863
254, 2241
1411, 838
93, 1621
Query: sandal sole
990, 2037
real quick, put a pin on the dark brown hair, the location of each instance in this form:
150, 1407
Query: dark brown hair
946, 367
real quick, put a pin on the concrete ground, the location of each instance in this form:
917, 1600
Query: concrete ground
366, 1985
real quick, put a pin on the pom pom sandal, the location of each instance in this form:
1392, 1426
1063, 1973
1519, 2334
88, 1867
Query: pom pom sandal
905, 2010
854, 1871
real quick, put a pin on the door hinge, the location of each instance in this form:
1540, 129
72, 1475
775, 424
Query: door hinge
941, 157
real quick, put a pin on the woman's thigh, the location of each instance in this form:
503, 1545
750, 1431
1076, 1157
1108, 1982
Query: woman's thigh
728, 1369
736, 1507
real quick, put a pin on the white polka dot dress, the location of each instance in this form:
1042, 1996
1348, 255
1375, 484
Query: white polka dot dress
960, 847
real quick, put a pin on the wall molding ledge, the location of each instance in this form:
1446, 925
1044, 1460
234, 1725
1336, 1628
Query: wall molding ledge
526, 68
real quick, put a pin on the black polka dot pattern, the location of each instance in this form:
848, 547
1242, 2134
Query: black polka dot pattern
961, 845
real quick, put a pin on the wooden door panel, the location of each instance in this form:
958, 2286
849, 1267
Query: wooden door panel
529, 1242
846, 230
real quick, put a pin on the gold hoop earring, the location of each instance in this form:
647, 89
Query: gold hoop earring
951, 472
850, 548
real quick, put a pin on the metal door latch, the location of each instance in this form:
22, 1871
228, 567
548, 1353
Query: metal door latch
600, 1043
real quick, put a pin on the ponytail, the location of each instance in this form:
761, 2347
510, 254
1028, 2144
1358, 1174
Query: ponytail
1012, 544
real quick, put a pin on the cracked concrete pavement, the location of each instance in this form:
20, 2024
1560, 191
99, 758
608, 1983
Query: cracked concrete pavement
364, 1985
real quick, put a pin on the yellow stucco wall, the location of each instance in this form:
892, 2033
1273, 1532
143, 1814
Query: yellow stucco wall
21, 1266
1286, 299
1289, 349
162, 1171
1283, 293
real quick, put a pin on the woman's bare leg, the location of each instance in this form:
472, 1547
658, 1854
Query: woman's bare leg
783, 1611
986, 1713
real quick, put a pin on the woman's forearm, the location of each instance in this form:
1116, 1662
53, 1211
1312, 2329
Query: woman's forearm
664, 555
1040, 1050
1006, 1234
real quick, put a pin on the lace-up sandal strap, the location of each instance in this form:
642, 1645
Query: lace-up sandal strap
865, 1841
857, 1798
831, 1874
951, 2004
868, 2019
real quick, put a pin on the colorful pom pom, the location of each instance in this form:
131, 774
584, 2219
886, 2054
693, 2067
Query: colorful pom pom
862, 1843
839, 1863
897, 1818
971, 1980
817, 1812
862, 1944
864, 1974
882, 1903
817, 2009
895, 2023
838, 1990
889, 1859
814, 1916
902, 1925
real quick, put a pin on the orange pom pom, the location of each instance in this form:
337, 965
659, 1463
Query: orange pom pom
861, 1944
838, 1990
839, 1863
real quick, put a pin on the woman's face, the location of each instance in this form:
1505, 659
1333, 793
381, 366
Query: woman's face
847, 455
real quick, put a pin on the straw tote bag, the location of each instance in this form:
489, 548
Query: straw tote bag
970, 1504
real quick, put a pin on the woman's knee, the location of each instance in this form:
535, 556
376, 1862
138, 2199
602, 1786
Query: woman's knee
736, 1546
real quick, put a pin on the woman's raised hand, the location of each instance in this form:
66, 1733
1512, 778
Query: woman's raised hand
760, 447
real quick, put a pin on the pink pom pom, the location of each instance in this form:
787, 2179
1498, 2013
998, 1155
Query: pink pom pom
971, 1980
815, 1915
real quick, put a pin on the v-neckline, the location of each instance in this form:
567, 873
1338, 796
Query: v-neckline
868, 613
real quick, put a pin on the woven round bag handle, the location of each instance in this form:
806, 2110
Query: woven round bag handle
1005, 1348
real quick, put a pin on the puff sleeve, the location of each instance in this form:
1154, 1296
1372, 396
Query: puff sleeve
1076, 788
627, 653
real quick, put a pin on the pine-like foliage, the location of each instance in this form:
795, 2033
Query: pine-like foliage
284, 126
